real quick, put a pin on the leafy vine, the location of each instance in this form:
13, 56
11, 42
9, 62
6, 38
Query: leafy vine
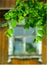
34, 13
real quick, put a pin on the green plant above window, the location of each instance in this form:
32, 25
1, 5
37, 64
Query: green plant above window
34, 13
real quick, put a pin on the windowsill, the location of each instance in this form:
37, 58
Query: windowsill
37, 56
26, 57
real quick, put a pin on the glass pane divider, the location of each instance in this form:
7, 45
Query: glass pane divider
24, 42
24, 36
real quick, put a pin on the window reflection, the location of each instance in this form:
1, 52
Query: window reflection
30, 46
18, 46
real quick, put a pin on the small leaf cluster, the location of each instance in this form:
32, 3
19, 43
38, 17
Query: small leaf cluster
34, 13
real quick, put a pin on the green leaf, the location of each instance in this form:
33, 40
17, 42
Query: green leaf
13, 23
20, 19
38, 38
34, 40
39, 22
10, 31
41, 32
11, 14
40, 26
26, 26
4, 25
8, 35
46, 33
7, 17
17, 2
40, 4
45, 6
25, 13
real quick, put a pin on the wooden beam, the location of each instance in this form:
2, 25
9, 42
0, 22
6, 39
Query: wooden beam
7, 4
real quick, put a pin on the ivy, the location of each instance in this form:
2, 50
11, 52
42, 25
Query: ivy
33, 11
13, 23
41, 32
38, 38
10, 31
7, 17
4, 25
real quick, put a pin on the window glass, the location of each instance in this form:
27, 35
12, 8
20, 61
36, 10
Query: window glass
26, 44
30, 46
18, 31
30, 31
30, 40
18, 46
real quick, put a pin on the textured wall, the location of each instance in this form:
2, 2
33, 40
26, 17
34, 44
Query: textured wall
7, 4
4, 51
3, 47
4, 4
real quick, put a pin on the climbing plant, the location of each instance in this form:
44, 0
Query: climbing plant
34, 13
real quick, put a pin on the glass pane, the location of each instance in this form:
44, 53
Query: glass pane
30, 46
18, 31
18, 46
30, 31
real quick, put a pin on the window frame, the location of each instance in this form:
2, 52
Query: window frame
24, 37
10, 51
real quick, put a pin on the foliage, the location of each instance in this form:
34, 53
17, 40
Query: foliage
30, 48
34, 13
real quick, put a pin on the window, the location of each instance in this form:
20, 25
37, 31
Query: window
18, 46
23, 41
21, 44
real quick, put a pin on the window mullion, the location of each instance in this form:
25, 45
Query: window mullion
24, 44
